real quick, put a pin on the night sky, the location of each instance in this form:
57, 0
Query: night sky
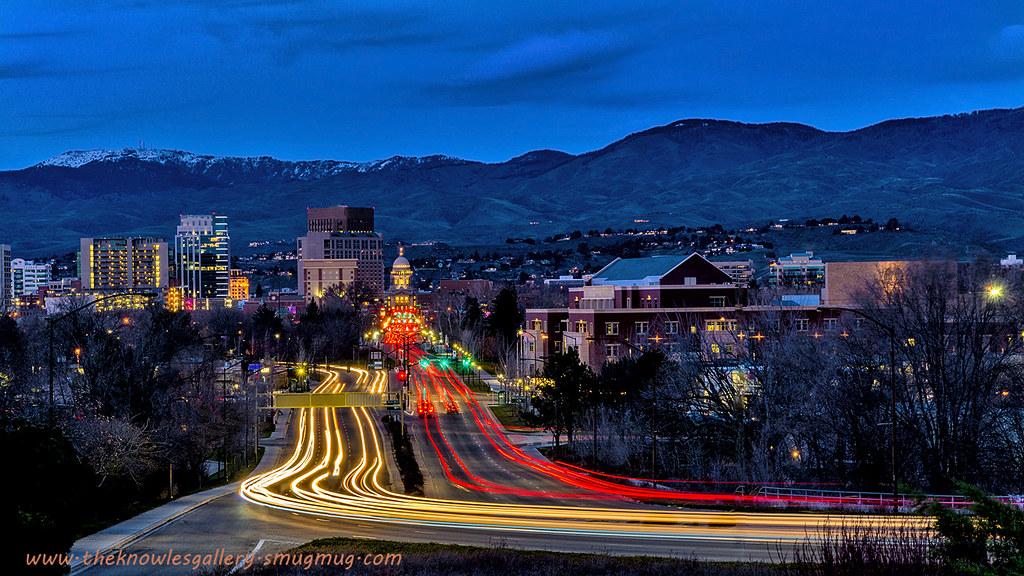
480, 80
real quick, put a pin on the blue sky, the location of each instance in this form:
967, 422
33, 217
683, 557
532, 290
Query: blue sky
481, 80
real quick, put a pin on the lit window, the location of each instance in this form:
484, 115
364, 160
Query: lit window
720, 325
611, 328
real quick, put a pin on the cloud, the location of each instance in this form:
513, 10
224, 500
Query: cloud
1000, 59
40, 34
1009, 42
21, 70
538, 68
31, 70
542, 56
76, 128
287, 35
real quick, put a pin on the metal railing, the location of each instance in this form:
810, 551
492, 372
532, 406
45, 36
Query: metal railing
811, 497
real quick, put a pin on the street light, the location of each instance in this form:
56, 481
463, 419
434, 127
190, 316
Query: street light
575, 340
995, 292
524, 335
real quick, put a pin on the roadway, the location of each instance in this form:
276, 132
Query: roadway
333, 480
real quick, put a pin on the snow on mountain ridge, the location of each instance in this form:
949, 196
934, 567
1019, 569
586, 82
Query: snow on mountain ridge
203, 163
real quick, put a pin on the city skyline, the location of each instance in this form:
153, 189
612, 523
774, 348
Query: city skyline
304, 80
715, 286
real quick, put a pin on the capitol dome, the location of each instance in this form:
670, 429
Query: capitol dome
401, 272
401, 262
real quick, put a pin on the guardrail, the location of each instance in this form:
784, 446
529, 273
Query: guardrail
870, 500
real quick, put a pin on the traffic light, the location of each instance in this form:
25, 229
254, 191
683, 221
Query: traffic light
402, 376
424, 363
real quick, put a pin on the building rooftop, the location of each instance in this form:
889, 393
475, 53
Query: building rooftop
637, 270
798, 258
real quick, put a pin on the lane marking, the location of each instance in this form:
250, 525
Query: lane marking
251, 554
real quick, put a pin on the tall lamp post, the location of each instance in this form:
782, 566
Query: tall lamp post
524, 335
891, 334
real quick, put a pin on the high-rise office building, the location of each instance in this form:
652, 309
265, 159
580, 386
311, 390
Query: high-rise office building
117, 264
339, 248
339, 219
5, 278
27, 277
238, 285
202, 256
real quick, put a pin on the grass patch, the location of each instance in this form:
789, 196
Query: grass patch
456, 560
509, 415
840, 551
475, 383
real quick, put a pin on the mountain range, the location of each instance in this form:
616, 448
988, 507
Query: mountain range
963, 174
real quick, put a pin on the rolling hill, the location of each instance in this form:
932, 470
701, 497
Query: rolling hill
961, 173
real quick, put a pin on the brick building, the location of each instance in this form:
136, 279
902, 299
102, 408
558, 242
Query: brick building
339, 248
678, 302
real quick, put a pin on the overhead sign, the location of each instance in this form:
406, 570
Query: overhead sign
338, 400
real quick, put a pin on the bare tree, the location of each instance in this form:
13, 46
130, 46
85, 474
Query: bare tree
114, 448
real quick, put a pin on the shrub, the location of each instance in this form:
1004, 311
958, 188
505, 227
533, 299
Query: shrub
412, 478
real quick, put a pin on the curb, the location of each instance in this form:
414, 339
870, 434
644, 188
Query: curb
78, 568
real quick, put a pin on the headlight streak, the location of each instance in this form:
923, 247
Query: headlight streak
310, 485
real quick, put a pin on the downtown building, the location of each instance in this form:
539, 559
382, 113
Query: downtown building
30, 282
202, 259
238, 285
340, 248
112, 265
6, 298
800, 269
27, 277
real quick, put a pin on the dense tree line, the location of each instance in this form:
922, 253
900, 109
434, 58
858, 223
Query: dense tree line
145, 402
942, 347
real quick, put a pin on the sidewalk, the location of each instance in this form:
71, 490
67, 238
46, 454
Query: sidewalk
125, 533
491, 381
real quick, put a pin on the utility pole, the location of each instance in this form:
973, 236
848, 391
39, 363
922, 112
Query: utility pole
245, 387
654, 430
50, 361
892, 417
891, 333
224, 422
